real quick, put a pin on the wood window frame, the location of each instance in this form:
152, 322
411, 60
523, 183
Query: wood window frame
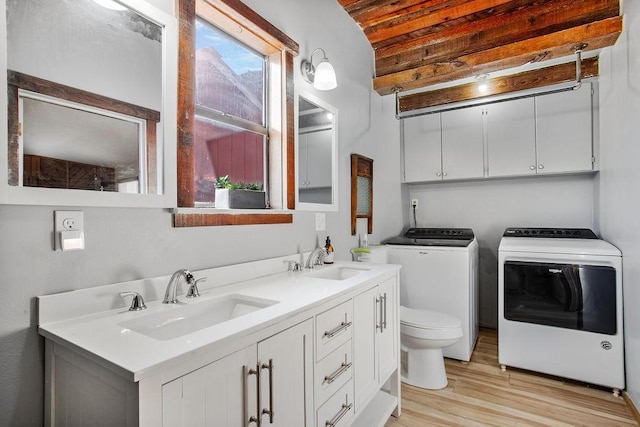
246, 25
361, 166
17, 81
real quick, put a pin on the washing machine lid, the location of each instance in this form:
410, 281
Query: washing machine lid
428, 319
453, 237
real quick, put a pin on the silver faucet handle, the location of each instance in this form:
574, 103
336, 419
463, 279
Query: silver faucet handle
294, 265
137, 303
193, 291
319, 260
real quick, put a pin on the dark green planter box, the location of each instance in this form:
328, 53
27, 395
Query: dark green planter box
240, 199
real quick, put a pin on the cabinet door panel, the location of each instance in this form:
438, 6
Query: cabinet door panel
462, 144
319, 158
564, 131
365, 360
422, 148
292, 354
511, 138
388, 337
213, 395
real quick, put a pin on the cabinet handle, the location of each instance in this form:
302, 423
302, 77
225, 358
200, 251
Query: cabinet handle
540, 166
438, 174
444, 174
341, 370
245, 374
270, 410
337, 330
532, 167
343, 411
384, 322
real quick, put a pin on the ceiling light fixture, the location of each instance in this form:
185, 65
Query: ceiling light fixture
323, 77
110, 4
483, 86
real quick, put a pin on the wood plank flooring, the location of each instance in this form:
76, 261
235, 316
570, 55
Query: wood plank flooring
480, 394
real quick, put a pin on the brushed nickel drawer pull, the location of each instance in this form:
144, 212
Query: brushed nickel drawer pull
270, 410
384, 318
246, 372
345, 408
341, 370
337, 330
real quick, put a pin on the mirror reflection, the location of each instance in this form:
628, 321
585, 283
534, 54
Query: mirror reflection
85, 96
315, 153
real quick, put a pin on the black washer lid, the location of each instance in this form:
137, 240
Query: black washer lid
563, 233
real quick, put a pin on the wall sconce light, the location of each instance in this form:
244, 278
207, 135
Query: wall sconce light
323, 77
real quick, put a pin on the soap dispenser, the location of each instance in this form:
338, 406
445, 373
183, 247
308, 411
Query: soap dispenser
328, 252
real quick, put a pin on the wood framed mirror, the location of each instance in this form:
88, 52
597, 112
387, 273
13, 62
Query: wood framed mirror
361, 191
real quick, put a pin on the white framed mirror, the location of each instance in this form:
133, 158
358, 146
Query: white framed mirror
90, 102
317, 153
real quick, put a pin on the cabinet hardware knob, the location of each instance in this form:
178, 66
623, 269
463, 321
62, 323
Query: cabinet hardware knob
540, 166
532, 167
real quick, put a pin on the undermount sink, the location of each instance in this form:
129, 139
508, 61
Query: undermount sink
336, 272
182, 319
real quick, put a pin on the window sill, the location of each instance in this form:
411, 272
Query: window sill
209, 217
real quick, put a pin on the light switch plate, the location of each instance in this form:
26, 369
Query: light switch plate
321, 222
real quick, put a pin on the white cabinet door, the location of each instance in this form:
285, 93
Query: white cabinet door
287, 387
511, 138
422, 148
388, 335
365, 357
213, 395
225, 392
564, 131
462, 144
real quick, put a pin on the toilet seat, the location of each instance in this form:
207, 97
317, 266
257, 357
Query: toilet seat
428, 319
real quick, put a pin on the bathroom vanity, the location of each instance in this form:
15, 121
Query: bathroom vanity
260, 346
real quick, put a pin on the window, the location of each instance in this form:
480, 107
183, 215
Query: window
230, 134
234, 118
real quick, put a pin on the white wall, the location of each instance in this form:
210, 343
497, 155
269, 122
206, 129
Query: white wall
126, 244
488, 207
617, 185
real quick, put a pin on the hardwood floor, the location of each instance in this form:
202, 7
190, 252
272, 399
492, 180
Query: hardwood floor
480, 394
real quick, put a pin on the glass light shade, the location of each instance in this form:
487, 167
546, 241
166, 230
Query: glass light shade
325, 76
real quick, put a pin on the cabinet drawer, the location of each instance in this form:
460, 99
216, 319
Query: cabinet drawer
333, 328
338, 410
333, 372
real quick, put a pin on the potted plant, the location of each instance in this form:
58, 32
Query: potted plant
239, 195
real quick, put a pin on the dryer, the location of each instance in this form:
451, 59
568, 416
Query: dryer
440, 273
560, 305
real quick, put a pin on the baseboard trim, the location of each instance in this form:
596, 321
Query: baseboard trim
632, 406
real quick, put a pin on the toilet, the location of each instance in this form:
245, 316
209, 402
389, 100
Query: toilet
423, 335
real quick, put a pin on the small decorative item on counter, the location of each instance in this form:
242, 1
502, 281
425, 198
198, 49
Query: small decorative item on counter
328, 249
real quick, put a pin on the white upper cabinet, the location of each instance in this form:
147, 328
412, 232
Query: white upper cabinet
423, 149
564, 131
545, 134
511, 138
462, 144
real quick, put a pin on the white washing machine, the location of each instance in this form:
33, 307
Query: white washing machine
560, 305
440, 272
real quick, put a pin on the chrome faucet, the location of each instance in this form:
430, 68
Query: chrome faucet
171, 294
318, 254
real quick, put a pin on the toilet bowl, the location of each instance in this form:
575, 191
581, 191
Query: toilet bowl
423, 334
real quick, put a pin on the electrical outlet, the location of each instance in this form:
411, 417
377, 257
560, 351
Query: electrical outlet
321, 222
414, 203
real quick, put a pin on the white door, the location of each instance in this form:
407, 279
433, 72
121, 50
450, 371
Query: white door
422, 148
287, 388
213, 395
462, 143
511, 138
564, 131
365, 321
388, 336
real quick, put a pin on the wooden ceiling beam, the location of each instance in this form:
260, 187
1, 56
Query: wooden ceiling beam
562, 73
595, 35
476, 36
369, 13
408, 23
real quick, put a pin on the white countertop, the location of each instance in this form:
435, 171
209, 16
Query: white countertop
137, 356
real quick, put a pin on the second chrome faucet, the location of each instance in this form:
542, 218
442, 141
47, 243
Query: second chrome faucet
171, 294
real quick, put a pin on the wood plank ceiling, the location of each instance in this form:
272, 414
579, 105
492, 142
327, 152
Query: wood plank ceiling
420, 43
